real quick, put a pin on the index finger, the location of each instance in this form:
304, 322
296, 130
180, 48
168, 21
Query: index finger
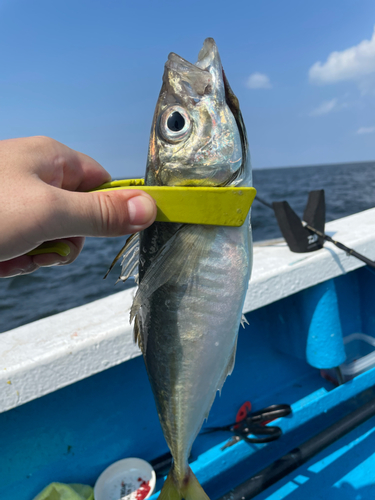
63, 167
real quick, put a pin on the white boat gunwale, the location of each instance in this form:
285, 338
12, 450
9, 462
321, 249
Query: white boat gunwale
44, 356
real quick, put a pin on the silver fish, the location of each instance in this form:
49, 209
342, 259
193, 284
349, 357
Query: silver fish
192, 278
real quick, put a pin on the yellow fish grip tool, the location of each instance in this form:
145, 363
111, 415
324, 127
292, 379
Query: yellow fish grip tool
216, 206
58, 247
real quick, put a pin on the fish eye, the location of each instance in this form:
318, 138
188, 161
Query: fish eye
175, 124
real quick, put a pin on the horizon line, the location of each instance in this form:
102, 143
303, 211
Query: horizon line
318, 165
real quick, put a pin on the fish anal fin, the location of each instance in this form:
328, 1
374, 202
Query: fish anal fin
229, 367
228, 371
188, 489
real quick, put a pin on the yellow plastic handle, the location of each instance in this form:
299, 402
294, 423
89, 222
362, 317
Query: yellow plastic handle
51, 247
218, 206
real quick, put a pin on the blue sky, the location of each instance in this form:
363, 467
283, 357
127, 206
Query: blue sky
88, 73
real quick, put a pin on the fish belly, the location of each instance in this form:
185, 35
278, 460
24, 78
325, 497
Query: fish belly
192, 335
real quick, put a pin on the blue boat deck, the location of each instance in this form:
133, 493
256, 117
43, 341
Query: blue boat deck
343, 471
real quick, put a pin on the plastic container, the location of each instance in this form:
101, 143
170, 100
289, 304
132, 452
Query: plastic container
127, 479
360, 357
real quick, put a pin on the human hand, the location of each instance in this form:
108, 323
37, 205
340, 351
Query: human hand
43, 198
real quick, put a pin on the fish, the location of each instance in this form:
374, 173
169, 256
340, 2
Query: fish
192, 278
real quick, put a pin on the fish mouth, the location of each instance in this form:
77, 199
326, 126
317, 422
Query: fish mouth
209, 60
188, 83
203, 77
208, 54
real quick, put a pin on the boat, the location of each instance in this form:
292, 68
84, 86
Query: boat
75, 396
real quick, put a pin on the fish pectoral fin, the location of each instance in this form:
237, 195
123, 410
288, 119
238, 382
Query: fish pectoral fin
174, 262
130, 258
189, 489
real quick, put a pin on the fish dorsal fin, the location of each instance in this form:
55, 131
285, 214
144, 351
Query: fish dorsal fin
174, 262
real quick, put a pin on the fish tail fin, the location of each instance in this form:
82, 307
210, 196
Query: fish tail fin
194, 490
189, 489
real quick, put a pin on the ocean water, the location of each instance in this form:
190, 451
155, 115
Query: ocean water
349, 188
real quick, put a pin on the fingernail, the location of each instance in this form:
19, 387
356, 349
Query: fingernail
140, 210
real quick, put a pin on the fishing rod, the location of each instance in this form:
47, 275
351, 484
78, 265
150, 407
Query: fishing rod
348, 250
301, 454
303, 235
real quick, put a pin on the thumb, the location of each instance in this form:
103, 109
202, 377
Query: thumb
109, 213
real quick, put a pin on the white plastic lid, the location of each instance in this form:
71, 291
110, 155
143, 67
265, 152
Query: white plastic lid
127, 479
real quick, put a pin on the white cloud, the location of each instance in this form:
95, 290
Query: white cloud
355, 63
366, 130
258, 81
324, 108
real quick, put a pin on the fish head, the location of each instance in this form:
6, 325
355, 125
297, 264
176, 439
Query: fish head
197, 136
